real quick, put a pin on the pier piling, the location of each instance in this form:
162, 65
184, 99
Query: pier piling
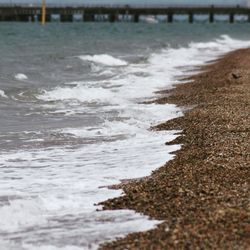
231, 18
170, 17
191, 17
211, 17
136, 18
66, 18
88, 17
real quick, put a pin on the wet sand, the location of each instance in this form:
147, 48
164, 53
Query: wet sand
203, 195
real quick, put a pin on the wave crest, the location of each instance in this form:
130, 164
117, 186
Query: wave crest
21, 77
2, 94
104, 59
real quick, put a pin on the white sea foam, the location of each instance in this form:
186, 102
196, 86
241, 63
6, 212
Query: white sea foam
79, 93
2, 94
104, 59
20, 214
50, 247
21, 77
11, 245
67, 183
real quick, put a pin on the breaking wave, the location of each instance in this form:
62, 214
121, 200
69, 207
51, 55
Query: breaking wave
21, 77
104, 59
2, 94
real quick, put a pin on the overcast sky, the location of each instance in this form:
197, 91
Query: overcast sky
234, 2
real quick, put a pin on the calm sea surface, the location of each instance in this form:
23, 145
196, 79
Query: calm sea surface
72, 121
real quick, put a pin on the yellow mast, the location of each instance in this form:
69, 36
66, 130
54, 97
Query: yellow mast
43, 21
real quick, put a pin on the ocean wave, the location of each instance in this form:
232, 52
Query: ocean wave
107, 129
138, 81
2, 94
219, 46
104, 59
20, 214
21, 77
79, 93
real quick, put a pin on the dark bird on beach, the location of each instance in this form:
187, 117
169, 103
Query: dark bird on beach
236, 75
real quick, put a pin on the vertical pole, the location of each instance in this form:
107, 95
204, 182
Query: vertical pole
231, 18
191, 17
211, 17
112, 18
43, 21
127, 16
211, 14
136, 18
170, 17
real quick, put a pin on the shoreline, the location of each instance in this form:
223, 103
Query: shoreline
203, 194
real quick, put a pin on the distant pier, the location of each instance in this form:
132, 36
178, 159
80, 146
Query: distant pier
121, 13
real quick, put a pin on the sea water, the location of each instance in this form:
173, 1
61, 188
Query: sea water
74, 120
